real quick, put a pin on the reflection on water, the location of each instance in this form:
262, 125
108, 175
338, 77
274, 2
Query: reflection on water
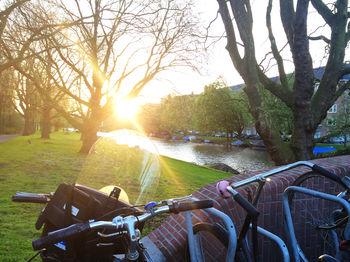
241, 159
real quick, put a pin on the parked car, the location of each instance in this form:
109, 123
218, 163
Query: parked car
336, 140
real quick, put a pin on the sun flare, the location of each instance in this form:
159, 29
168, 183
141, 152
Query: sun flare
127, 108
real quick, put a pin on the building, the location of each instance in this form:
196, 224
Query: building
323, 128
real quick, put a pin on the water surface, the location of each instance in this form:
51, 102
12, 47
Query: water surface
241, 159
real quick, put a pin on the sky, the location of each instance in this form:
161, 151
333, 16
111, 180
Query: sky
218, 62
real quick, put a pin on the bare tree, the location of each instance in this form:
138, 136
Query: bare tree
309, 106
115, 50
26, 102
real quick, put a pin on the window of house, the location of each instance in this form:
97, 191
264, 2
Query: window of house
317, 134
330, 121
333, 109
317, 84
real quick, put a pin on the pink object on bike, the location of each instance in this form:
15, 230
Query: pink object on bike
221, 189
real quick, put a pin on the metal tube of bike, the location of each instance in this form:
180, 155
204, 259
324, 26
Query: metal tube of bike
288, 215
270, 173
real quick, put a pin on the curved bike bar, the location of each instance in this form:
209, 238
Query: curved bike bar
267, 174
232, 240
288, 215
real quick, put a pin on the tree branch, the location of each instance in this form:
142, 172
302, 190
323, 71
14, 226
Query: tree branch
288, 18
275, 52
231, 35
320, 37
324, 11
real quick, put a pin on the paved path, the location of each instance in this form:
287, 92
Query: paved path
4, 138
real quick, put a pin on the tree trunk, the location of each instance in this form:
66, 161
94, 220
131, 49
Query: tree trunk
302, 138
89, 135
45, 123
28, 123
345, 139
280, 153
2, 122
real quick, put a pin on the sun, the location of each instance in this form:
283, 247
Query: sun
127, 108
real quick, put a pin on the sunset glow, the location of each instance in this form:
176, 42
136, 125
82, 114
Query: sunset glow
127, 108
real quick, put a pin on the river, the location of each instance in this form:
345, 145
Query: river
241, 159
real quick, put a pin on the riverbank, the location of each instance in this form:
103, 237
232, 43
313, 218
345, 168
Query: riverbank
31, 164
242, 159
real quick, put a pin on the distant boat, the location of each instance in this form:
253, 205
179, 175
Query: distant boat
257, 143
195, 139
239, 143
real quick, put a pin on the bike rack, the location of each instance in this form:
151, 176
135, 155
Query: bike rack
270, 173
288, 216
232, 243
279, 242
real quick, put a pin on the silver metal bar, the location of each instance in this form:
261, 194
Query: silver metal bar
270, 173
288, 216
232, 243
282, 246
160, 210
190, 236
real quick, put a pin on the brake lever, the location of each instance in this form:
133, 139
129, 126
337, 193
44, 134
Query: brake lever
112, 234
172, 200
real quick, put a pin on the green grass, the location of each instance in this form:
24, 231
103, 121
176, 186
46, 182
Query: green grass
213, 138
31, 164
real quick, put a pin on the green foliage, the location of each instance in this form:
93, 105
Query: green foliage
340, 124
280, 114
149, 118
41, 165
220, 109
177, 113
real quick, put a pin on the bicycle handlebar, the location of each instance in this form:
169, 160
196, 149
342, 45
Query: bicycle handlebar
119, 223
59, 235
251, 210
329, 174
179, 207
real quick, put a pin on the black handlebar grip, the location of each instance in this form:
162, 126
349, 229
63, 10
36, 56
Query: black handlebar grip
60, 235
328, 174
41, 199
246, 205
179, 207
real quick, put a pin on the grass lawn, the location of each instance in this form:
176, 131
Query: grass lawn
31, 164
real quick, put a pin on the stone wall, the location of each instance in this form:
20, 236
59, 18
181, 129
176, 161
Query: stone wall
170, 237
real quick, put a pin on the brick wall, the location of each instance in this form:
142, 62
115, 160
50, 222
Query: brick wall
170, 237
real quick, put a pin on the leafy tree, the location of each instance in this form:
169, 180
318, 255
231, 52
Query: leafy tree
149, 118
341, 122
279, 113
177, 113
309, 106
219, 109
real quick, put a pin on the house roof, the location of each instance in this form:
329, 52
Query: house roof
318, 72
